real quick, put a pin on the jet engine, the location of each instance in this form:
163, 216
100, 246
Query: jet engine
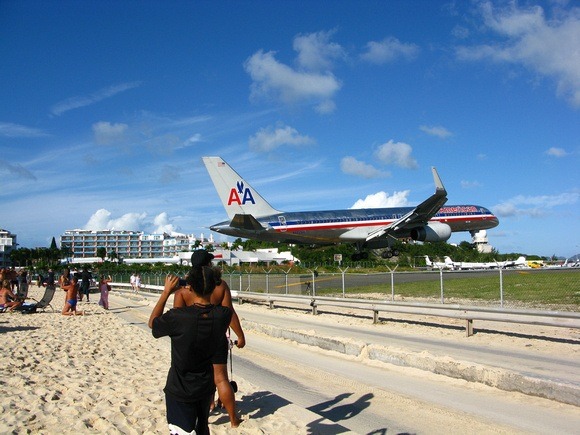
432, 232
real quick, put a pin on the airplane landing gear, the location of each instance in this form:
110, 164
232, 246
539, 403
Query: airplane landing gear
388, 253
357, 256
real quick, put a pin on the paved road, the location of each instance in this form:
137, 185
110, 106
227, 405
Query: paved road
331, 393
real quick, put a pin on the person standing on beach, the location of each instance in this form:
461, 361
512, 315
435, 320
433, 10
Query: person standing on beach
70, 305
22, 279
104, 287
48, 282
132, 281
221, 296
86, 277
137, 282
195, 331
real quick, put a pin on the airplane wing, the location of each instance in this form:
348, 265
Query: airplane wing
420, 215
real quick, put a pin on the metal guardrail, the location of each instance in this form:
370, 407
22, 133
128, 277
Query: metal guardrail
469, 314
563, 319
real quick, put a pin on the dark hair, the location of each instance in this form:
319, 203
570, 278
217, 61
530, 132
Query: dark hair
201, 279
218, 275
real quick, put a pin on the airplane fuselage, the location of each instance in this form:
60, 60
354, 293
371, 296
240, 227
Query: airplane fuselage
351, 225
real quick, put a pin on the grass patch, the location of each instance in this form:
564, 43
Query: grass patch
560, 288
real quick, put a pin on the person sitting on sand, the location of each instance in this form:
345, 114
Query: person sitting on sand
7, 297
70, 305
195, 332
221, 296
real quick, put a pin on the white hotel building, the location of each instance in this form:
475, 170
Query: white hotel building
128, 244
7, 244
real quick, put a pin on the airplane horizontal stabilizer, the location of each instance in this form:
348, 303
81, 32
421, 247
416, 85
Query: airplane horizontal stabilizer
246, 222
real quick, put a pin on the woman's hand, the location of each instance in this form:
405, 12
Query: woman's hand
171, 284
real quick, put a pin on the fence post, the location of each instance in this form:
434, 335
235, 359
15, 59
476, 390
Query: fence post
441, 280
267, 279
392, 272
501, 287
343, 284
314, 275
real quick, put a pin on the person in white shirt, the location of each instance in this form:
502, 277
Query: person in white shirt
132, 281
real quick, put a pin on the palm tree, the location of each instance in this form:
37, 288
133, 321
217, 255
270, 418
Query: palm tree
101, 252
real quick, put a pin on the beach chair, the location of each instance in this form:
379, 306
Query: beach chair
42, 304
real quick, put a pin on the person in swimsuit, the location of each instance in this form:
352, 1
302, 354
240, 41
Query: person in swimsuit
7, 297
70, 305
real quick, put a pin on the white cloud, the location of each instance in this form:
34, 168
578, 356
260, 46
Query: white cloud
547, 47
14, 130
534, 206
270, 138
556, 152
107, 133
396, 153
388, 50
101, 220
350, 165
382, 199
440, 132
316, 52
193, 139
311, 82
163, 224
87, 100
470, 184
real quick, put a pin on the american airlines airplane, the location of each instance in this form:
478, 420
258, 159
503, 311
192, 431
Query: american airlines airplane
251, 217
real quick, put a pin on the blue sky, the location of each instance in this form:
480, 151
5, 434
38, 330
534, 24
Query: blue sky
107, 108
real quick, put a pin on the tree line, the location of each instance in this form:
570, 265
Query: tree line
410, 255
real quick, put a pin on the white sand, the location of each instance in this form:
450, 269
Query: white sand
95, 374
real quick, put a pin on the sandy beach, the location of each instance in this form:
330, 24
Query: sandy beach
95, 374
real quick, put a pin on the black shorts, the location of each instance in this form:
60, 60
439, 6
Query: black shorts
189, 416
221, 354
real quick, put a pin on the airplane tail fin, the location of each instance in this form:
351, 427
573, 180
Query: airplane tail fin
428, 261
521, 261
237, 196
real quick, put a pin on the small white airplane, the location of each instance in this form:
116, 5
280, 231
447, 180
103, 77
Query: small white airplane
573, 263
251, 217
447, 264
467, 265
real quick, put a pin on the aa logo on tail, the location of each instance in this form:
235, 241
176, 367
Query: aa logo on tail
240, 195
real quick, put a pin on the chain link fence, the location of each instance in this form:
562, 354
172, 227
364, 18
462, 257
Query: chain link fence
555, 289
550, 289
